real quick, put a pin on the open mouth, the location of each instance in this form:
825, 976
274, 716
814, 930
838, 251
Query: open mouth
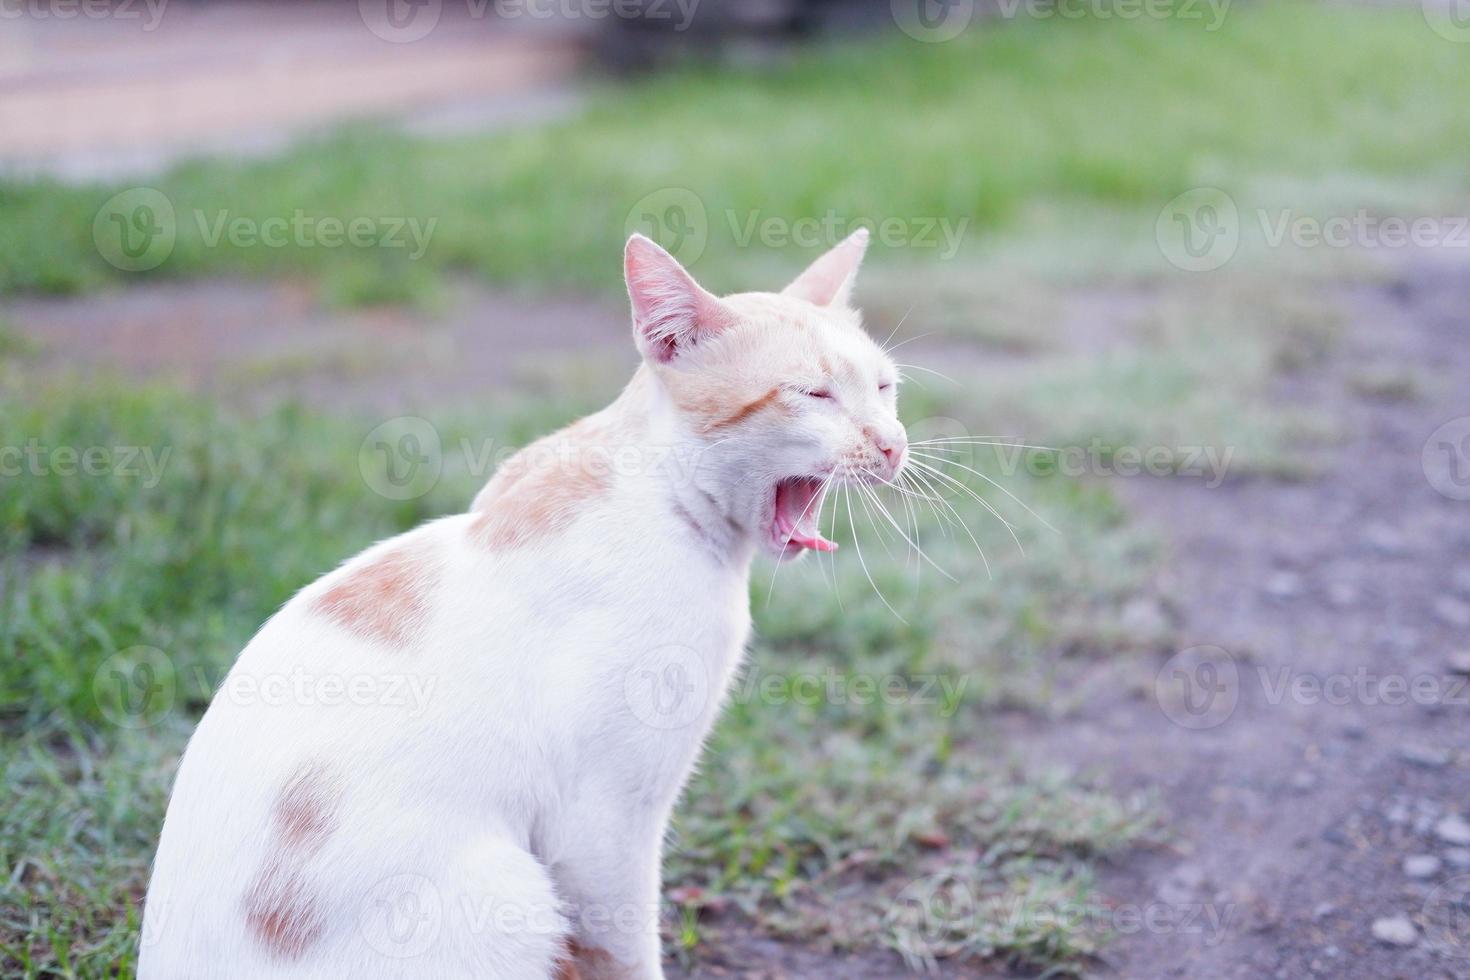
797, 514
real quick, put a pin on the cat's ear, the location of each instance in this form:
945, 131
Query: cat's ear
828, 281
671, 311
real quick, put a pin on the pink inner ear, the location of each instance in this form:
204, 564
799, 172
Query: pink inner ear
670, 309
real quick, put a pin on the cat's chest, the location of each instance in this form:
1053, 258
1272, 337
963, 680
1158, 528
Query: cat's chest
688, 622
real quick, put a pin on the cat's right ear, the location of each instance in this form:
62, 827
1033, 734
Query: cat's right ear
671, 312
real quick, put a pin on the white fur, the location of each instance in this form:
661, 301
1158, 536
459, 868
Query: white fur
554, 702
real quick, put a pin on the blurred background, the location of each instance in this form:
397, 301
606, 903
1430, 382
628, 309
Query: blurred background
1178, 688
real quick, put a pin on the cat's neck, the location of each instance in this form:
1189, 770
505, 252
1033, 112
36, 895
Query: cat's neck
682, 477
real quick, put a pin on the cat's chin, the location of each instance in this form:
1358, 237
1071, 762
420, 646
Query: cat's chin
793, 527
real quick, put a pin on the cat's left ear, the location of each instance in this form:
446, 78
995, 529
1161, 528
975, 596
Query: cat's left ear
828, 281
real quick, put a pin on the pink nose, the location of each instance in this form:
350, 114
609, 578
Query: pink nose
892, 449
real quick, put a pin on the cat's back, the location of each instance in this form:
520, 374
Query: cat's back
333, 754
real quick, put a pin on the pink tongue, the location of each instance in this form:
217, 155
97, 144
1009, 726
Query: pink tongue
817, 543
797, 515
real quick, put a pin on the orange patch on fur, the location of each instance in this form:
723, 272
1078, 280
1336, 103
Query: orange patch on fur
303, 811
742, 413
542, 488
567, 968
385, 600
591, 963
281, 911
282, 915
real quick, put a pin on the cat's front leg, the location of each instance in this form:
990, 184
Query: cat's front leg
610, 883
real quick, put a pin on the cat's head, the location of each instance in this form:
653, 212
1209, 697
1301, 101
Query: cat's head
786, 389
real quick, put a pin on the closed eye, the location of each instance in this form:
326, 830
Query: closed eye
885, 386
819, 393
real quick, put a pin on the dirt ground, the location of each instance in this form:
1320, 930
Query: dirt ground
267, 342
1311, 745
1297, 809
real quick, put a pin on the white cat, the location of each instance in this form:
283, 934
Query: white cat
456, 755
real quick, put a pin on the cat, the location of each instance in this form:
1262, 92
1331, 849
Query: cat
569, 639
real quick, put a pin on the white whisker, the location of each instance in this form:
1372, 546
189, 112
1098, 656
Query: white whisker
897, 327
920, 367
978, 499
997, 486
910, 340
956, 519
847, 498
982, 441
883, 535
873, 496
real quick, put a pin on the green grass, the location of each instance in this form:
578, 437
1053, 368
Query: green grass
1009, 129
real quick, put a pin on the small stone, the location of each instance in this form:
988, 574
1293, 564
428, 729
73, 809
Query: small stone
1458, 857
1422, 865
1323, 910
1303, 781
1284, 585
1453, 830
1145, 618
1424, 755
1354, 730
1342, 595
1459, 661
1395, 931
1332, 951
1398, 813
1455, 612
1385, 540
